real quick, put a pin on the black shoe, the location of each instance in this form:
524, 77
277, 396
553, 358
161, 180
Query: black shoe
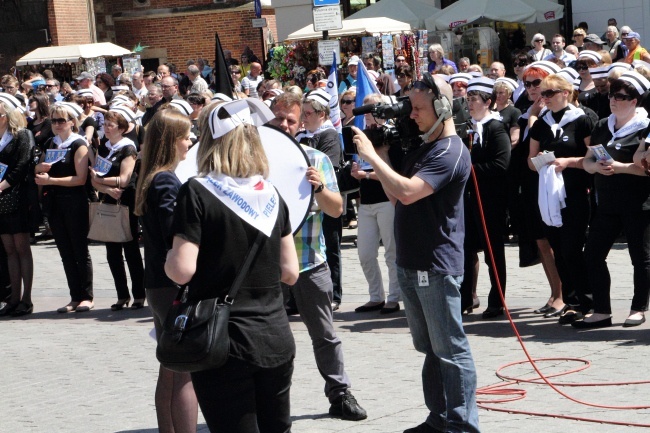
23, 309
545, 309
554, 312
335, 306
8, 308
570, 316
347, 408
291, 311
492, 312
389, 310
423, 428
581, 324
366, 308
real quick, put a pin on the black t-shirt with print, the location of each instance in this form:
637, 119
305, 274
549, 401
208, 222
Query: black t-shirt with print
66, 168
128, 196
259, 329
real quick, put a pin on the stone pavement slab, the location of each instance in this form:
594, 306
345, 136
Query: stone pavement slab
96, 371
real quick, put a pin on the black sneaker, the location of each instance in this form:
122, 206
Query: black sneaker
346, 407
423, 428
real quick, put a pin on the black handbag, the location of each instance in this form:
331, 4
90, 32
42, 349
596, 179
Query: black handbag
9, 202
195, 333
347, 183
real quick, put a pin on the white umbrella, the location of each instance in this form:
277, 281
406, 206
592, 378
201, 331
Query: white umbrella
469, 11
410, 11
546, 10
354, 27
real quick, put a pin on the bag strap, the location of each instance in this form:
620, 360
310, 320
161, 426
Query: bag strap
243, 270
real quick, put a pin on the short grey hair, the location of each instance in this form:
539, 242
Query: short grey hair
614, 30
193, 69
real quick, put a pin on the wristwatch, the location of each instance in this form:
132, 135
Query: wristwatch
320, 188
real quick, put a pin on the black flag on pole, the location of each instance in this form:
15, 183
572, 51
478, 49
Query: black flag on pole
222, 70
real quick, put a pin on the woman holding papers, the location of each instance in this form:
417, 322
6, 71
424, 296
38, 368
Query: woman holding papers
112, 176
565, 130
623, 195
16, 144
62, 172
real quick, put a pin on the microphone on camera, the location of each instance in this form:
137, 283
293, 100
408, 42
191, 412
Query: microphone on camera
364, 109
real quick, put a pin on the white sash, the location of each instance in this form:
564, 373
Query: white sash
254, 199
571, 114
113, 148
478, 125
638, 122
65, 144
6, 139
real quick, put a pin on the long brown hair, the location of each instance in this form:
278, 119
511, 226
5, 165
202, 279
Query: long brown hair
159, 151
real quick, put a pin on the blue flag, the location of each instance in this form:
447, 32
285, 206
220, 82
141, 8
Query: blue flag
365, 86
258, 8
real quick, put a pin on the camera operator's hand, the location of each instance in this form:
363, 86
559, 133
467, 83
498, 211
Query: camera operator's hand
357, 173
364, 147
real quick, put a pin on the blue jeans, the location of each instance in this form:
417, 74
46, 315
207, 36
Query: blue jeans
448, 375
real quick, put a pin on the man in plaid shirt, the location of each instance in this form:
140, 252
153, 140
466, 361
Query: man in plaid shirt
313, 291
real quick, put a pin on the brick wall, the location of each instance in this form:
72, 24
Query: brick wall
181, 35
192, 36
68, 23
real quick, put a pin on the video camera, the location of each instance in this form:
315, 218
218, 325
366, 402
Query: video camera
404, 133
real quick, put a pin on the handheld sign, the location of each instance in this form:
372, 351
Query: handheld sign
3, 170
102, 165
53, 156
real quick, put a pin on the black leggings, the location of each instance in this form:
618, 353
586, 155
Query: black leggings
242, 398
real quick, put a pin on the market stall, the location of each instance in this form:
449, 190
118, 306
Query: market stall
71, 60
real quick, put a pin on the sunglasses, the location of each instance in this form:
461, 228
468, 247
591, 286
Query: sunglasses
549, 93
620, 97
581, 36
581, 67
347, 101
624, 34
535, 83
520, 64
538, 40
59, 120
401, 75
400, 60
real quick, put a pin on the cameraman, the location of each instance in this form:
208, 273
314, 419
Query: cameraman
429, 232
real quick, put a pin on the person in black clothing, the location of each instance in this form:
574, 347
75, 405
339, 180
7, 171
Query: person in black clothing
16, 144
597, 100
40, 125
490, 152
566, 131
623, 191
63, 184
117, 183
105, 82
166, 144
321, 135
250, 392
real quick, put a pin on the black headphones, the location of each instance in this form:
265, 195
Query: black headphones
441, 105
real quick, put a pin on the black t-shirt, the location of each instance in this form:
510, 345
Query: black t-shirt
157, 228
429, 233
523, 103
569, 144
65, 168
490, 158
461, 116
597, 102
329, 143
509, 117
259, 328
88, 121
42, 132
620, 193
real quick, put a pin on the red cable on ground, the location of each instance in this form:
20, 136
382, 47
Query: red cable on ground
518, 394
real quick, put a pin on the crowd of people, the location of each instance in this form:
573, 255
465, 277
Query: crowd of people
555, 156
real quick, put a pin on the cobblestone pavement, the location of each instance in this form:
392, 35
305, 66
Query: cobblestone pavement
96, 372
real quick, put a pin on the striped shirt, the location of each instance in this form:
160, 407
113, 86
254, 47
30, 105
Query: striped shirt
310, 242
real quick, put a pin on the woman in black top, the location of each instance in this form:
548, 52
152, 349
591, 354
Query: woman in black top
249, 393
40, 125
105, 82
16, 145
490, 151
168, 137
566, 131
404, 74
376, 215
118, 184
63, 182
623, 195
